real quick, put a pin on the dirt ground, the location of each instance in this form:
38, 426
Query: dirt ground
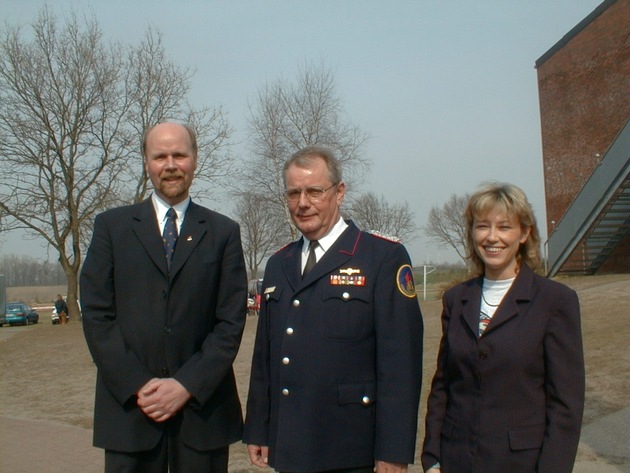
47, 373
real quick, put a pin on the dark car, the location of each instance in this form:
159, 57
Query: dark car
19, 313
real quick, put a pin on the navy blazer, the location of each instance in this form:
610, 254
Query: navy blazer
141, 322
337, 362
512, 399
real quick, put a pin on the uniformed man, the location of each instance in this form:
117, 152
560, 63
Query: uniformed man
337, 363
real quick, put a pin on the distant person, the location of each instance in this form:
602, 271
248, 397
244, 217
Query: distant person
508, 392
62, 309
164, 293
337, 364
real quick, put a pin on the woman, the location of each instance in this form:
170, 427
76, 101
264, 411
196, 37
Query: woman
508, 392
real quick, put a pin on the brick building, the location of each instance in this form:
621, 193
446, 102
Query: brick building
584, 93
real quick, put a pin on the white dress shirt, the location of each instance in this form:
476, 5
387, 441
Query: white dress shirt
325, 242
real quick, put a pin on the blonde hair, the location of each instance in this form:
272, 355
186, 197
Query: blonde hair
511, 200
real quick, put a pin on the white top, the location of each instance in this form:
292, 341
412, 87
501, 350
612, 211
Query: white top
492, 293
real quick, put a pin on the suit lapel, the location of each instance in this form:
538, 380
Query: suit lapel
507, 310
191, 234
291, 263
341, 251
510, 307
471, 302
147, 230
512, 303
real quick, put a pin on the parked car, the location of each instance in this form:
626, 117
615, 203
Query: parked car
19, 313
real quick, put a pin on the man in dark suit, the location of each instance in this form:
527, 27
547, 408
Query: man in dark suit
337, 363
163, 318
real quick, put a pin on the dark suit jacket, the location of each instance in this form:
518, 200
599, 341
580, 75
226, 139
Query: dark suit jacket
512, 399
336, 371
140, 323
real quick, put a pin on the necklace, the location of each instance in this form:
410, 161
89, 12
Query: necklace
486, 301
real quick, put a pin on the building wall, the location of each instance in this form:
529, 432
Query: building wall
584, 93
619, 260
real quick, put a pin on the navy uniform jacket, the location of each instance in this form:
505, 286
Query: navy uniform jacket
140, 323
337, 363
512, 399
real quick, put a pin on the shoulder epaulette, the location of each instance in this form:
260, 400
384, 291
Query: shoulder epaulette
392, 238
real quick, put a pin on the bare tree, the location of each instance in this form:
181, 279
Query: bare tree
28, 271
158, 89
262, 232
377, 215
446, 225
71, 111
287, 116
62, 143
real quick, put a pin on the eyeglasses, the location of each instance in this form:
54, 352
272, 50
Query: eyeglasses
313, 194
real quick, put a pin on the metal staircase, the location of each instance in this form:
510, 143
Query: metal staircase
599, 216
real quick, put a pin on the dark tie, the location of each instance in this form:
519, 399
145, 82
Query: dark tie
310, 261
170, 235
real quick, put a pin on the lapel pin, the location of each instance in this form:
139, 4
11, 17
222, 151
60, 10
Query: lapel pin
188, 238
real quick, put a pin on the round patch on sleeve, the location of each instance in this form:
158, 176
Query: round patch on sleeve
404, 280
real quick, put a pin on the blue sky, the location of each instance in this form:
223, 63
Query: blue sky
446, 90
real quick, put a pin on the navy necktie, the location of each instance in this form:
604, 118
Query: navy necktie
170, 235
311, 260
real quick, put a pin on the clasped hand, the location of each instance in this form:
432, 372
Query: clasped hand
161, 398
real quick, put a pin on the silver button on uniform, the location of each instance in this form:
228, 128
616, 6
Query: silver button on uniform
366, 400
345, 296
296, 303
289, 331
285, 360
285, 392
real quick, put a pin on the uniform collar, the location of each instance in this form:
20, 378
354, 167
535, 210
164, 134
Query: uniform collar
329, 239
